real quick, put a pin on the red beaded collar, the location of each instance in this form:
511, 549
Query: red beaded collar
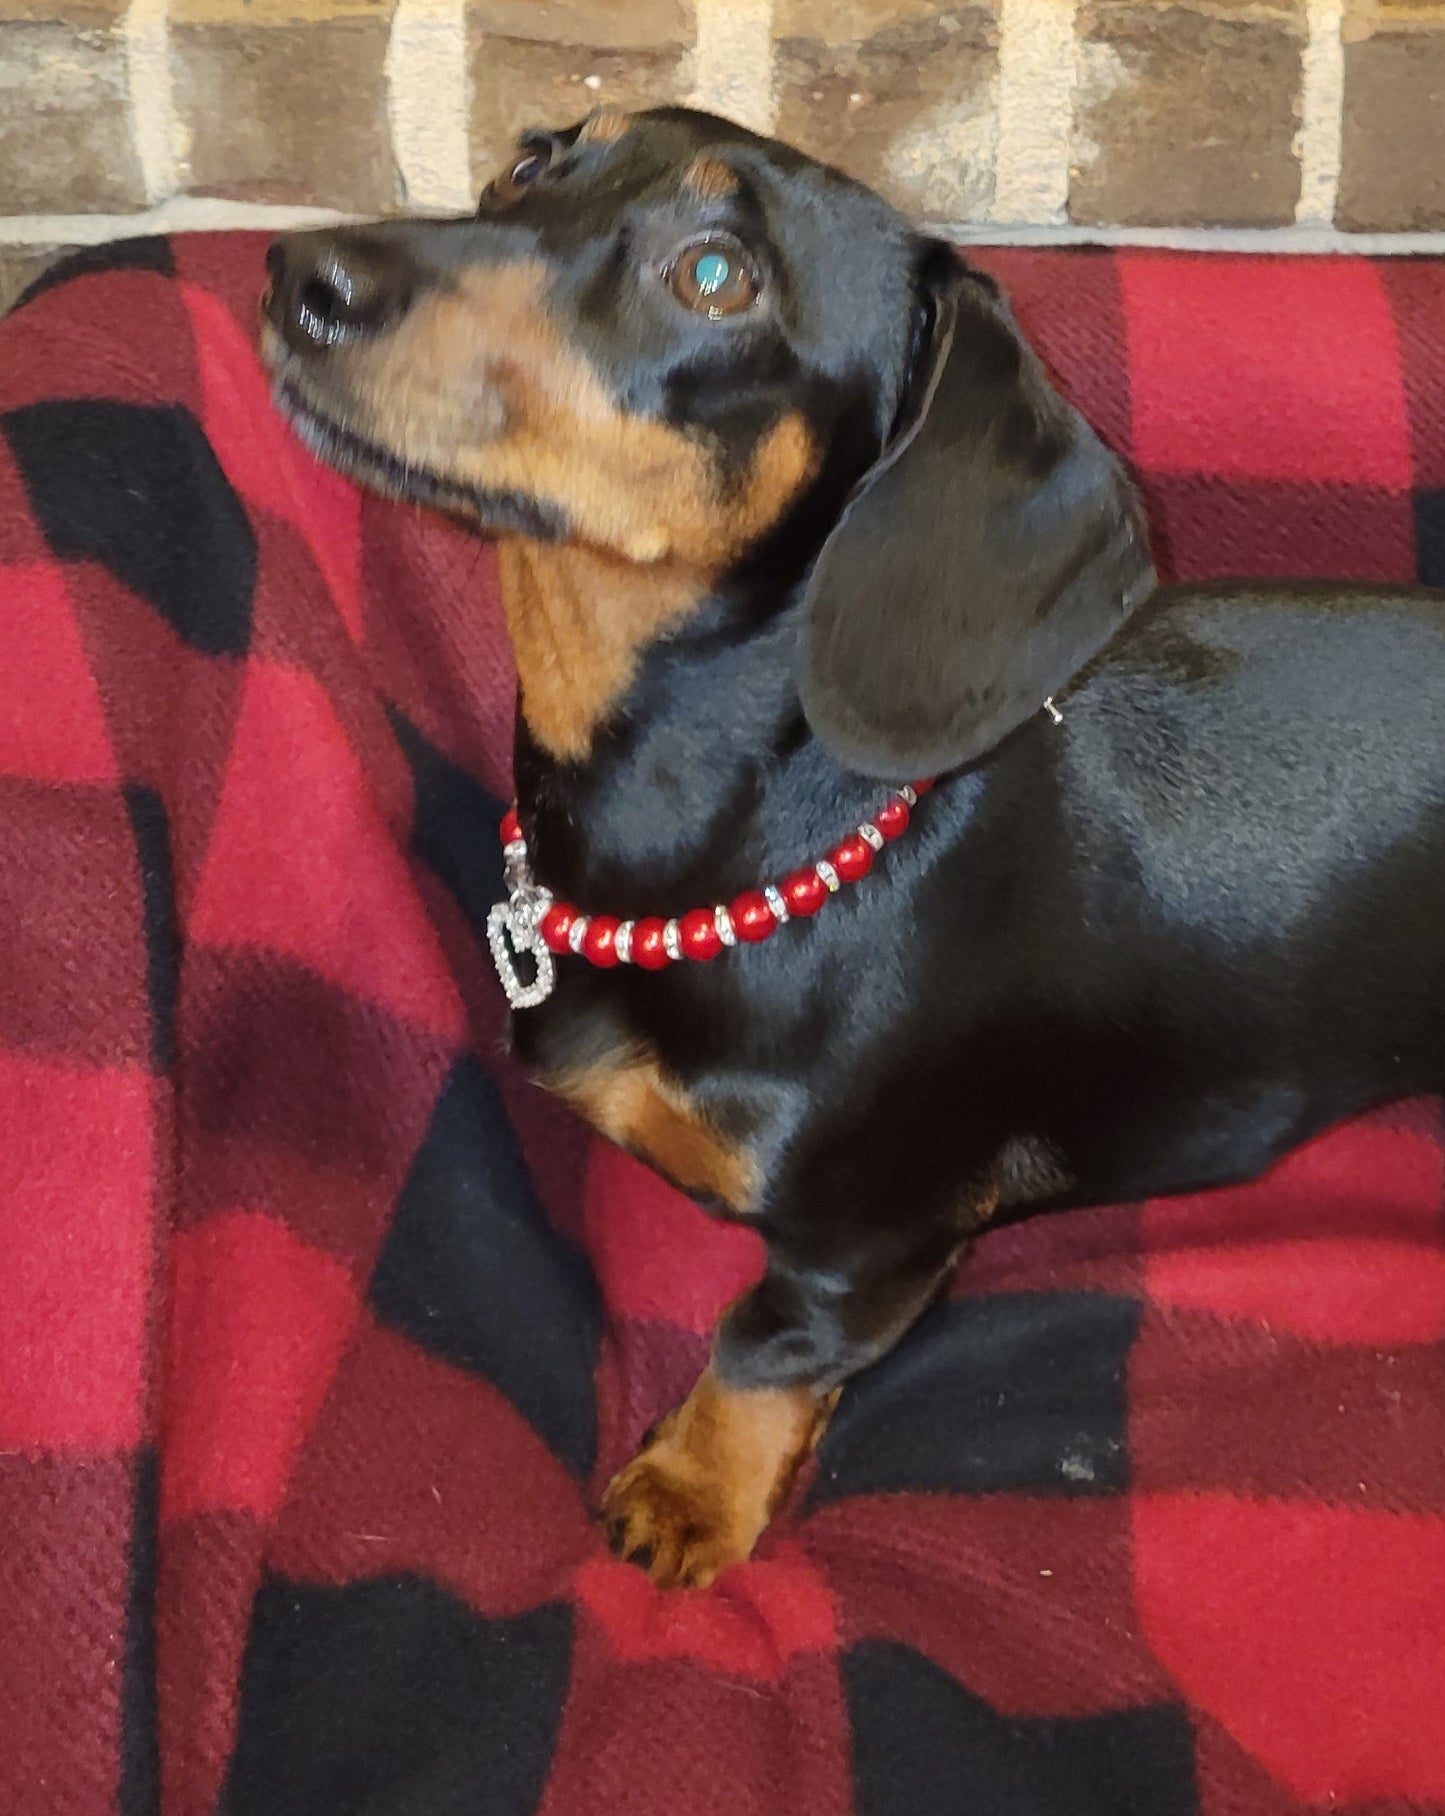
531, 921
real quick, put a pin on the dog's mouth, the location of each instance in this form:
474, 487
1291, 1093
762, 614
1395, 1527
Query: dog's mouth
375, 466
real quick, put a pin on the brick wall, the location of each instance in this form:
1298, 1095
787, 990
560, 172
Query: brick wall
1045, 114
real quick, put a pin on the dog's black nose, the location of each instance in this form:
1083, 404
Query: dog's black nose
331, 288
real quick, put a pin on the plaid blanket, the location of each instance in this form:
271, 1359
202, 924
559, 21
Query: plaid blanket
320, 1327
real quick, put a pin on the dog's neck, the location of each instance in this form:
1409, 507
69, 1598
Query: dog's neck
662, 754
580, 619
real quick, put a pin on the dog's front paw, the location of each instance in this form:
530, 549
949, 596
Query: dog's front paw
662, 1513
699, 1496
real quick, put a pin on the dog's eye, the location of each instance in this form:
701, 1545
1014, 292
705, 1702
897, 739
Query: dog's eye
519, 176
526, 170
714, 278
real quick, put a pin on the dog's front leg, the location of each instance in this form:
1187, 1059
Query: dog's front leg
699, 1496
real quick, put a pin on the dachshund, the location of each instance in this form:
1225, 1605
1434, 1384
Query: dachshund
791, 523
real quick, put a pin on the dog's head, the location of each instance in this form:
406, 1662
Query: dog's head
671, 342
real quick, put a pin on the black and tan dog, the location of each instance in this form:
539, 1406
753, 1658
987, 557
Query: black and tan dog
788, 513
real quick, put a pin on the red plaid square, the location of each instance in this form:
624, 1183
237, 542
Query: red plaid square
1288, 1250
1315, 1636
257, 1323
300, 865
52, 729
1268, 370
76, 1242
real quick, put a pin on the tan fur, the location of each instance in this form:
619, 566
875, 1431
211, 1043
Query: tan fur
634, 1103
605, 125
577, 618
710, 180
477, 386
580, 618
699, 1496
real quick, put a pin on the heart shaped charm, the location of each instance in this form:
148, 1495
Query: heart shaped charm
511, 934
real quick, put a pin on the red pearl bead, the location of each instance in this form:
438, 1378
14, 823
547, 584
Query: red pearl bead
599, 942
699, 934
511, 826
922, 788
752, 918
556, 925
853, 858
892, 820
648, 947
803, 892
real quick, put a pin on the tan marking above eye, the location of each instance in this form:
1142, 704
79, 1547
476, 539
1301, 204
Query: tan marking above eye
710, 180
605, 125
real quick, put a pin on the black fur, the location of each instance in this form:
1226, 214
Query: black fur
1144, 950
983, 560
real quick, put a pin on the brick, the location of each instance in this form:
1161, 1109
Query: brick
1392, 175
288, 112
21, 265
80, 15
275, 12
516, 83
604, 24
849, 21
907, 107
1362, 16
1187, 116
64, 139
1236, 12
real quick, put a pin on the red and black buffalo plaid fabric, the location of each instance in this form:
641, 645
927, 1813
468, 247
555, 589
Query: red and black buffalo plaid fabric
320, 1327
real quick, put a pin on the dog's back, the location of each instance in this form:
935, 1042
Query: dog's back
1237, 881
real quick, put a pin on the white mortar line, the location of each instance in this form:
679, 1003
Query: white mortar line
1301, 239
1322, 110
204, 214
1036, 77
426, 72
182, 214
733, 62
156, 131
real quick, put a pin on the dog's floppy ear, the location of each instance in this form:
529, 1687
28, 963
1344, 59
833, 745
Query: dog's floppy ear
990, 552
